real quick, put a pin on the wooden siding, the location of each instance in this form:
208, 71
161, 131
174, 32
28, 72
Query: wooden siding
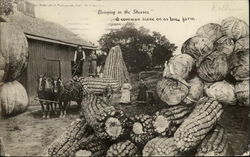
53, 59
53, 68
66, 70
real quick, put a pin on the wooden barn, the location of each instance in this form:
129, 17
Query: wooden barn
51, 48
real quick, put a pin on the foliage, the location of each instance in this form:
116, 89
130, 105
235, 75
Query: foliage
6, 7
141, 49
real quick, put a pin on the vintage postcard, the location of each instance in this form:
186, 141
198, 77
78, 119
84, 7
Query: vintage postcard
124, 78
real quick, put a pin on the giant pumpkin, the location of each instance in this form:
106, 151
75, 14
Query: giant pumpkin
13, 52
13, 99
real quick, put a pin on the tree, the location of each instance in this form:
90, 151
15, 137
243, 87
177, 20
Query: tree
141, 50
6, 7
163, 50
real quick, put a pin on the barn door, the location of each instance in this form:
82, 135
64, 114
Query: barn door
65, 70
53, 68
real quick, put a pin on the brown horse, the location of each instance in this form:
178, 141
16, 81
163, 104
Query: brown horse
67, 92
45, 91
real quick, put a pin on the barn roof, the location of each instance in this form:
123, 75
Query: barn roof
40, 29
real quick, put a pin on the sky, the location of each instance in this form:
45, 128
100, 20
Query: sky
91, 19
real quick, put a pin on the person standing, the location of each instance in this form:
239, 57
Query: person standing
142, 97
93, 64
79, 58
101, 64
125, 90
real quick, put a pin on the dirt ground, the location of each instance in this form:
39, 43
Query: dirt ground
28, 134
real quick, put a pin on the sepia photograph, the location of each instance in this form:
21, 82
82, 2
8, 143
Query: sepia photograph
124, 78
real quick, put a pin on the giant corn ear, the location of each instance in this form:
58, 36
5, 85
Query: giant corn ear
123, 149
195, 127
115, 66
93, 147
160, 146
142, 129
215, 143
108, 122
69, 142
167, 120
98, 85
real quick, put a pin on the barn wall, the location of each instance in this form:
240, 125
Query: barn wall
53, 59
35, 67
45, 58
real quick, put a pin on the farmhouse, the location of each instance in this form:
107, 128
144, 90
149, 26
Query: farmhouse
51, 47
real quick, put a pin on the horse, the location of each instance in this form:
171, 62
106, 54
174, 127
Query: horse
45, 91
73, 90
66, 92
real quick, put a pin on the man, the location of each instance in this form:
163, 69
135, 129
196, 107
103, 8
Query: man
79, 58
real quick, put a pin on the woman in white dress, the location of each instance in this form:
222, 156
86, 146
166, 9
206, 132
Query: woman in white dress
126, 88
